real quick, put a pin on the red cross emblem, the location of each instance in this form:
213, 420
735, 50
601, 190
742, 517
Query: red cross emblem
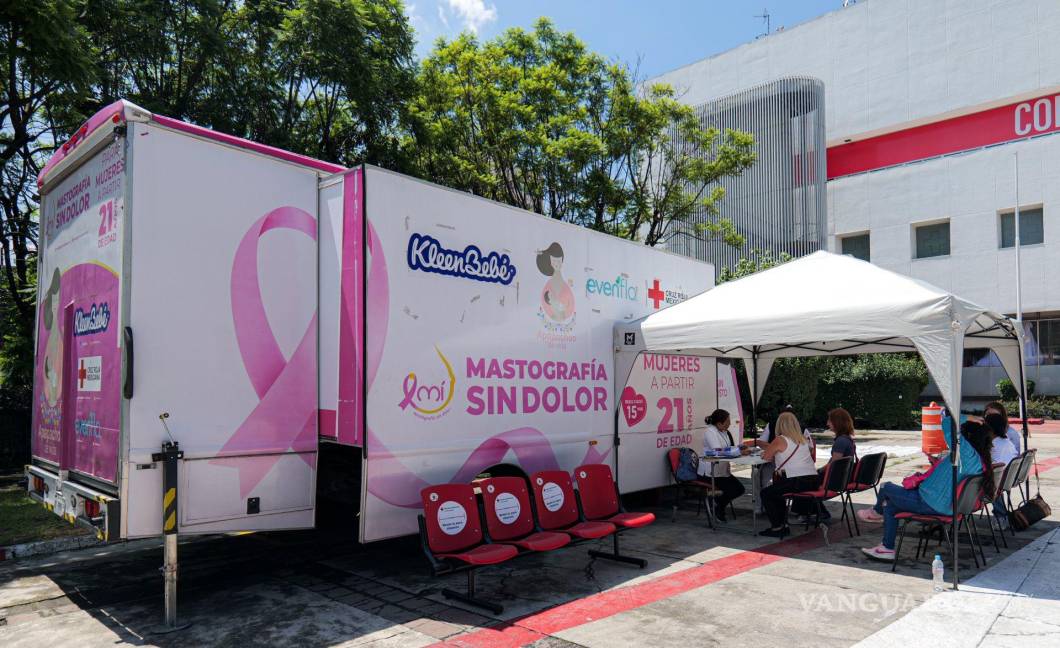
82, 373
656, 294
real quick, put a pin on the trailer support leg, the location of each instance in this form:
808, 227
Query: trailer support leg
169, 457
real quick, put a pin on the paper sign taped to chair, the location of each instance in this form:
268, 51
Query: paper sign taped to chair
452, 517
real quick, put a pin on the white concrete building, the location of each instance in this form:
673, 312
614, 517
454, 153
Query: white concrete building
927, 103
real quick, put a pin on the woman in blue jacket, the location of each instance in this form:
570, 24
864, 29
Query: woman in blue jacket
934, 495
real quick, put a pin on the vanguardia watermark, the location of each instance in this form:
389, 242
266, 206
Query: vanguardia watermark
887, 605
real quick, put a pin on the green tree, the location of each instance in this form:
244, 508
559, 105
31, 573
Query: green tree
326, 78
758, 260
673, 164
45, 64
536, 120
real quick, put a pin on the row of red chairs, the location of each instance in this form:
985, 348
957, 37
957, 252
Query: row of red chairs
460, 531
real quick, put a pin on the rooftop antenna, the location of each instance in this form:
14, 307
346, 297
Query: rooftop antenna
765, 18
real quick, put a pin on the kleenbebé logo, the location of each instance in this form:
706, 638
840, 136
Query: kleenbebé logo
96, 320
426, 253
619, 288
431, 399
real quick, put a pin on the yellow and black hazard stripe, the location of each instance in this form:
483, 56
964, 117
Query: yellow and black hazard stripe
169, 510
170, 456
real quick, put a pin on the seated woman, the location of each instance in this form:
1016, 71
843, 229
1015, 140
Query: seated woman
795, 471
1001, 452
765, 475
934, 495
996, 407
842, 425
717, 435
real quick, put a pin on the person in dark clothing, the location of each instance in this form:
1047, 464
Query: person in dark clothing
842, 425
717, 435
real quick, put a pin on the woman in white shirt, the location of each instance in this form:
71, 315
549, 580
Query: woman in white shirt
790, 453
996, 407
717, 435
1001, 452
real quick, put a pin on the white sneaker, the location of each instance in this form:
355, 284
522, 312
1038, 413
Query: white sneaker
870, 516
879, 552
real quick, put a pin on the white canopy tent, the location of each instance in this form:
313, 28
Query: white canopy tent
826, 304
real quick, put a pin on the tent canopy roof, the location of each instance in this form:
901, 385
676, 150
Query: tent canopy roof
825, 304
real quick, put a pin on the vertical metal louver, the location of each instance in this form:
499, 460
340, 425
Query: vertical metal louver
779, 204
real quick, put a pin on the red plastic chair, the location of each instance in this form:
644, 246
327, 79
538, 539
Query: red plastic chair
556, 506
702, 487
510, 517
452, 538
969, 499
833, 484
600, 501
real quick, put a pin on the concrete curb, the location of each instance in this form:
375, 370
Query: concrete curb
45, 547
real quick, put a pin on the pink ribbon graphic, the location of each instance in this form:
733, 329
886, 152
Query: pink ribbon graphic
388, 478
285, 418
410, 390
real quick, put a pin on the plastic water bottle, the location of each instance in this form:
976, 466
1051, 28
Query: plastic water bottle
937, 573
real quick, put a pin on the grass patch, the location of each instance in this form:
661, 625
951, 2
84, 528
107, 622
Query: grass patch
23, 520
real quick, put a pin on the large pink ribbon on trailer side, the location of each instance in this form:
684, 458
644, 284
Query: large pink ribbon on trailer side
389, 479
285, 417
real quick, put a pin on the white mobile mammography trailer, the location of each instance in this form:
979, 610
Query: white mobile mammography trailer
277, 307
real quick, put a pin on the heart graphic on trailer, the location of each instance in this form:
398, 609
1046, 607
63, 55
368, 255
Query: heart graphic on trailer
634, 406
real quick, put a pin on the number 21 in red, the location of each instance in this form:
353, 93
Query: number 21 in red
669, 406
106, 213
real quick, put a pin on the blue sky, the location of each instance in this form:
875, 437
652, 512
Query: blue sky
660, 34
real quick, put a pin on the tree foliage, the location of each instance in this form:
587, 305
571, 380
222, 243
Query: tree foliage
531, 118
45, 67
758, 260
326, 78
536, 120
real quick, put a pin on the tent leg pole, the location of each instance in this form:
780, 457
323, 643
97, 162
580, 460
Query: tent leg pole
754, 395
954, 541
1023, 417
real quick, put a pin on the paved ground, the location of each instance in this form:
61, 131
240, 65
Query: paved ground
1016, 603
701, 587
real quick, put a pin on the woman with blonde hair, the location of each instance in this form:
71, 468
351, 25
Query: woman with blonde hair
795, 471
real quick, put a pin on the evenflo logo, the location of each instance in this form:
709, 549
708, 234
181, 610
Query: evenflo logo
619, 288
427, 254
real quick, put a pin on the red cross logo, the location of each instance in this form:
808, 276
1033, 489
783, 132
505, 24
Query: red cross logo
82, 374
656, 294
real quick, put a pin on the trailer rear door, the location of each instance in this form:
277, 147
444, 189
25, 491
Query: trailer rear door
223, 311
78, 369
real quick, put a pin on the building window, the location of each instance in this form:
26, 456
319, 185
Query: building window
1047, 335
1032, 231
856, 246
931, 240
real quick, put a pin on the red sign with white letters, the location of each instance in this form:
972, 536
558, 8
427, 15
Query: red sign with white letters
1005, 123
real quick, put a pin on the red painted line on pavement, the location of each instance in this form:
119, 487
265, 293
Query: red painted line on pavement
1048, 464
537, 625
